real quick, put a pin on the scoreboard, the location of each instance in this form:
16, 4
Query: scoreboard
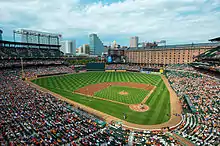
116, 56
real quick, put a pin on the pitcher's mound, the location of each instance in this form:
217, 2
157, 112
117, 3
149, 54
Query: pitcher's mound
123, 93
139, 107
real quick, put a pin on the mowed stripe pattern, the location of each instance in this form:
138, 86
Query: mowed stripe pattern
75, 81
158, 102
134, 95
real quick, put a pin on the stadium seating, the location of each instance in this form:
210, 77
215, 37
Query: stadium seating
30, 117
154, 138
184, 67
211, 54
110, 136
204, 92
7, 63
122, 67
10, 52
32, 72
210, 60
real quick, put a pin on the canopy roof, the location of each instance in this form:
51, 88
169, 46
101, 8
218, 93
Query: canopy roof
215, 39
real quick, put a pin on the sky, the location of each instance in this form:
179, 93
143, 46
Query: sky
176, 21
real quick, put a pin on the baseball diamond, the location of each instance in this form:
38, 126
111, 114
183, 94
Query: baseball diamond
118, 93
107, 98
135, 92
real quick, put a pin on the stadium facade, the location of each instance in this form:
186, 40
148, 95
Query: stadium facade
171, 54
96, 45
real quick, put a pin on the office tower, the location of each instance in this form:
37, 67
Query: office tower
134, 42
96, 45
68, 47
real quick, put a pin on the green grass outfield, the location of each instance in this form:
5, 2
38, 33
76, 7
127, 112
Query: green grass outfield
159, 101
134, 95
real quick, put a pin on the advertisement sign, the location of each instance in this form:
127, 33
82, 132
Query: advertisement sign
109, 70
146, 72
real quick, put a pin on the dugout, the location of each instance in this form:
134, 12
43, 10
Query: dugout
95, 66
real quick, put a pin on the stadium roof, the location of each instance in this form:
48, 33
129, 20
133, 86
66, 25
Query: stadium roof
181, 46
27, 44
215, 39
33, 32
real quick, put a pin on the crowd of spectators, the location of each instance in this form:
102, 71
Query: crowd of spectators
110, 135
184, 67
202, 125
32, 72
116, 67
122, 67
8, 52
134, 68
177, 67
217, 67
6, 63
154, 138
152, 66
29, 116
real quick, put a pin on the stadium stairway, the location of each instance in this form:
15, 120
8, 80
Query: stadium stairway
130, 139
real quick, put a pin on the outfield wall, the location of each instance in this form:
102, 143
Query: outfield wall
95, 66
115, 70
146, 72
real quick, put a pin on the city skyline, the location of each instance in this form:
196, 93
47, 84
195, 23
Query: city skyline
177, 22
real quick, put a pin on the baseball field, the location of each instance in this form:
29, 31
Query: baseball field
114, 93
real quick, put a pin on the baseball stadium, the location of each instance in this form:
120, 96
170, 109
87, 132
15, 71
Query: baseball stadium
148, 96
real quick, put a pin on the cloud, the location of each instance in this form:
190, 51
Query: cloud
176, 21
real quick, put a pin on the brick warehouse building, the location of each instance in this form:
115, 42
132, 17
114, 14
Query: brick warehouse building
171, 54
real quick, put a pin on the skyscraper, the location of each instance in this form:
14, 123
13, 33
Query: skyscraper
84, 49
134, 42
96, 45
68, 47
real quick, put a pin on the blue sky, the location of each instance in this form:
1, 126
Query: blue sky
177, 21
